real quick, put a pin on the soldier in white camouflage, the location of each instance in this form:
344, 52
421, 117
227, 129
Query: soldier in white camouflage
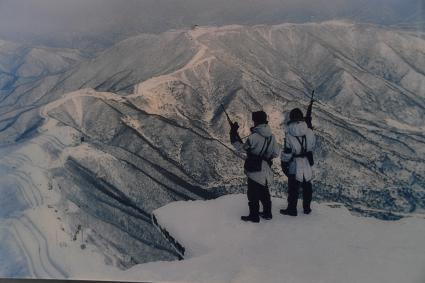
261, 147
297, 161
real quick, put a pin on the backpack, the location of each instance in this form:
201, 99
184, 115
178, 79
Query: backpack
253, 163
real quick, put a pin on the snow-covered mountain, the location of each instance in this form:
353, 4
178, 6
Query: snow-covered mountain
111, 138
26, 74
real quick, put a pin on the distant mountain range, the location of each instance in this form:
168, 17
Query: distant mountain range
95, 24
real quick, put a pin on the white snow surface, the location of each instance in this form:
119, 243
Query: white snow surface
330, 245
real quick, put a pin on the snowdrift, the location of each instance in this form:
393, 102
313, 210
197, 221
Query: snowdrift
330, 245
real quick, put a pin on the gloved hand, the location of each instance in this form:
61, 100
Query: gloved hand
234, 127
234, 136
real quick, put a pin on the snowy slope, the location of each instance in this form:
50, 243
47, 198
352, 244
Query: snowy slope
330, 245
37, 241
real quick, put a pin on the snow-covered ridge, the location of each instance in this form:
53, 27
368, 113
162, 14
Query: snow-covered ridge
37, 235
45, 232
179, 248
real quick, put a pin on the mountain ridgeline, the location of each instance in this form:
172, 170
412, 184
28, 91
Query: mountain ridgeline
154, 132
96, 24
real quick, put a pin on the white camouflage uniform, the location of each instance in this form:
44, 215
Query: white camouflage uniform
299, 166
254, 144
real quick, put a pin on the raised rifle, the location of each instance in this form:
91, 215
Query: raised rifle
234, 126
227, 115
308, 117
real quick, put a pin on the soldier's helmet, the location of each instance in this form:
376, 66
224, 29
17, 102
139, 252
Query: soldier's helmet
296, 115
259, 117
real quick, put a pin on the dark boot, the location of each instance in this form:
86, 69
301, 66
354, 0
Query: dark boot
250, 218
289, 212
267, 204
266, 216
293, 188
267, 210
307, 196
253, 213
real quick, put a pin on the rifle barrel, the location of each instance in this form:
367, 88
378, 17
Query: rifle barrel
227, 115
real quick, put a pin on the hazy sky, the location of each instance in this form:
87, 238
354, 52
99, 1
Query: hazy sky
63, 22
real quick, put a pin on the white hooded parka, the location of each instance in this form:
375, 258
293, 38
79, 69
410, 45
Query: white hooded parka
299, 166
254, 144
